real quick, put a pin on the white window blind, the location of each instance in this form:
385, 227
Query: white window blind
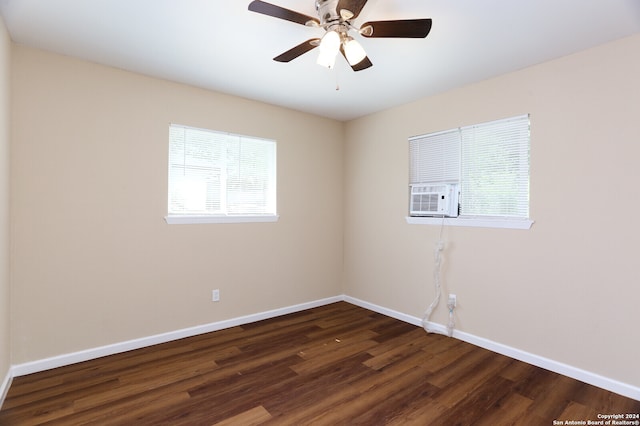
214, 173
495, 171
490, 161
435, 158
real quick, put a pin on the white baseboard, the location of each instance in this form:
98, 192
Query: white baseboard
75, 357
612, 385
618, 387
4, 387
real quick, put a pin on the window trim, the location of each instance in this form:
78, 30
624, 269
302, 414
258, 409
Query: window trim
472, 222
193, 219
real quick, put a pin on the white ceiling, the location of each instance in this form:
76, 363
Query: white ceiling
220, 45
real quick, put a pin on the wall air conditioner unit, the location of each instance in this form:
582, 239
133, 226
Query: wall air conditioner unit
434, 200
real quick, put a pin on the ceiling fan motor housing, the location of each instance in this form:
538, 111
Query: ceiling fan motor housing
328, 11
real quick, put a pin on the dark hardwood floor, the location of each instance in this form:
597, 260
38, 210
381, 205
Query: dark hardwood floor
334, 365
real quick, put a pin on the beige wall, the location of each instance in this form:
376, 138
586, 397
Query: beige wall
568, 288
95, 262
5, 66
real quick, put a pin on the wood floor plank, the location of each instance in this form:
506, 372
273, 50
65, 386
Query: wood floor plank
549, 405
332, 354
517, 371
254, 417
298, 400
218, 400
144, 381
389, 402
421, 413
455, 351
406, 361
130, 411
509, 410
412, 338
464, 366
474, 400
575, 410
337, 341
334, 364
471, 384
385, 354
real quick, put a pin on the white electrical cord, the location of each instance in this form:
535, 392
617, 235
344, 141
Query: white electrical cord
436, 279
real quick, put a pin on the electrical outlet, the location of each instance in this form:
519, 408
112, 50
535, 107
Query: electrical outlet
453, 300
215, 295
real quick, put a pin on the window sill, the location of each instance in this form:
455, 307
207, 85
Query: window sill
477, 222
186, 220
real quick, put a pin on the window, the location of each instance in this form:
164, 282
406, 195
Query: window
486, 165
220, 177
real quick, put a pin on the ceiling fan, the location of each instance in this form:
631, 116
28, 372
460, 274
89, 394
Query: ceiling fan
336, 18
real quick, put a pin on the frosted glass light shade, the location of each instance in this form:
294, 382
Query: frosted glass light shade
329, 47
326, 59
330, 42
354, 51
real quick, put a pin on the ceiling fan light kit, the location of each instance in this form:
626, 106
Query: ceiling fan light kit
329, 48
353, 51
335, 17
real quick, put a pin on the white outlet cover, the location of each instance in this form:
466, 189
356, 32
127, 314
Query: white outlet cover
454, 299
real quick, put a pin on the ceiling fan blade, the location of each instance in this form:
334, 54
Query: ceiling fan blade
362, 65
282, 13
354, 6
408, 28
299, 50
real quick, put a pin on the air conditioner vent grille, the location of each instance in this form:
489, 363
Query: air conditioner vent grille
425, 202
434, 200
